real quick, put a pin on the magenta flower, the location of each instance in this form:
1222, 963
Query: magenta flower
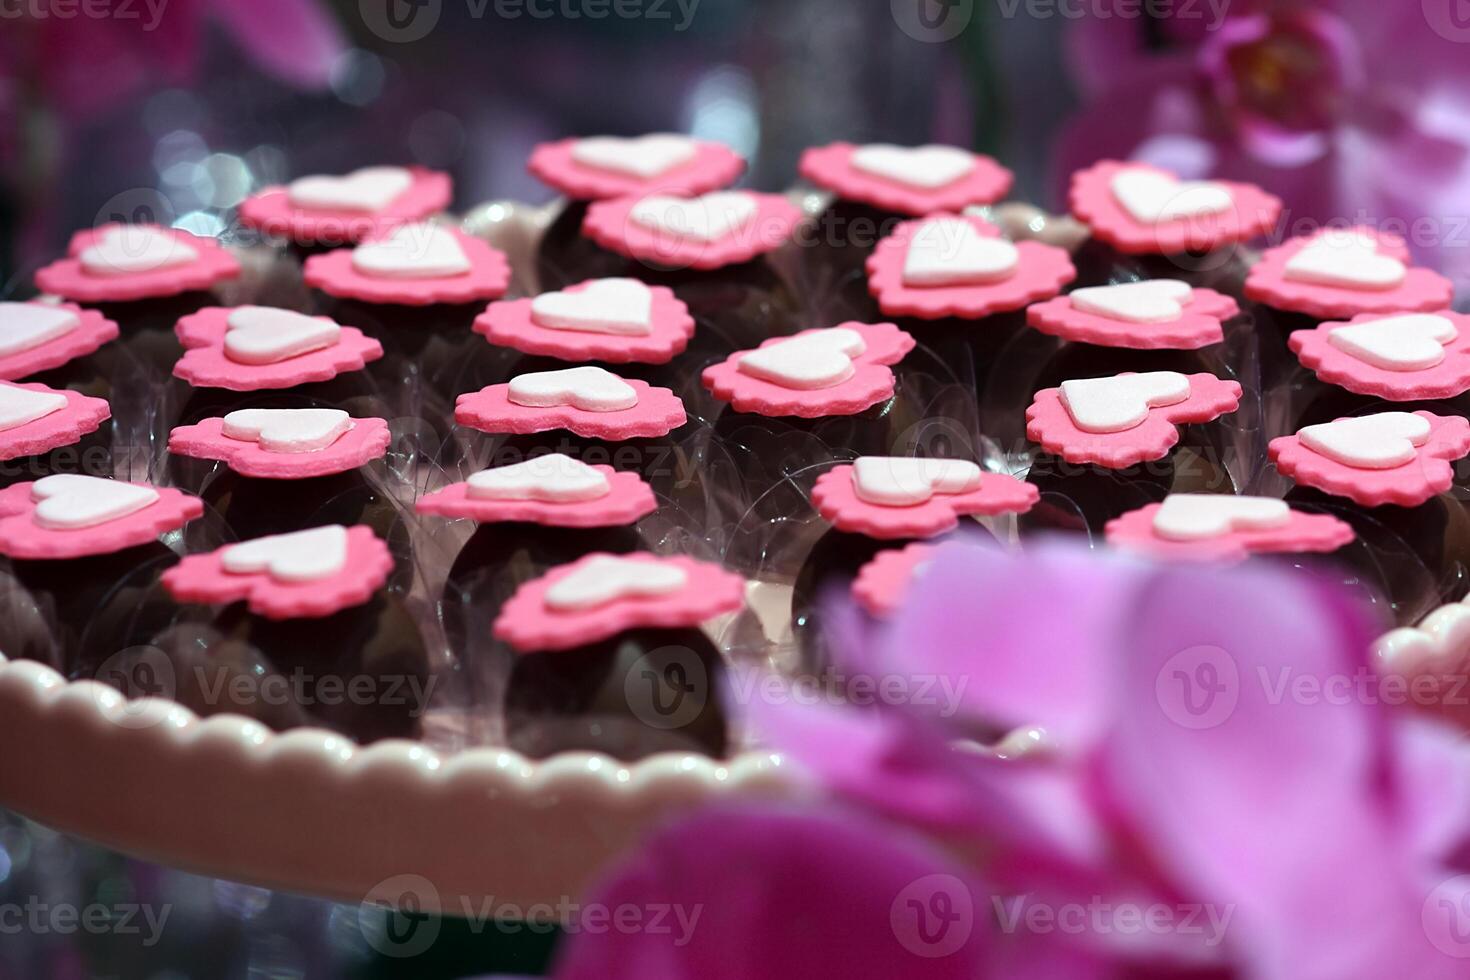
1210, 802
1354, 109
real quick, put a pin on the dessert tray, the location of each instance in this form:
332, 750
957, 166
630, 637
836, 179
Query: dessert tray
394, 557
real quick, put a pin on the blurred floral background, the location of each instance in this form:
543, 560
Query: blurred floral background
1349, 109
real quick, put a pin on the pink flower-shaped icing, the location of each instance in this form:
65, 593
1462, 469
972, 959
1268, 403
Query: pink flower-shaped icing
66, 277
837, 501
205, 364
610, 225
272, 212
1042, 272
1049, 423
658, 412
488, 277
92, 332
1447, 379
714, 166
367, 440
883, 583
1253, 213
527, 624
22, 537
831, 167
1200, 325
63, 427
509, 324
1422, 290
1303, 532
1408, 485
203, 578
628, 499
872, 381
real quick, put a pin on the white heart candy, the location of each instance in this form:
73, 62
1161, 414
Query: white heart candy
27, 325
1370, 442
904, 481
68, 501
555, 478
591, 389
926, 167
1152, 301
124, 250
706, 219
368, 189
606, 579
300, 556
1121, 403
1345, 261
19, 406
819, 359
1195, 516
1412, 342
1151, 197
950, 252
623, 307
266, 335
417, 251
288, 430
642, 156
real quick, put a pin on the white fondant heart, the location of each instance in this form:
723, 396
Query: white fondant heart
1345, 261
125, 250
1371, 442
1153, 301
1194, 516
1121, 403
1412, 342
68, 501
951, 252
1150, 197
642, 156
905, 481
368, 189
27, 325
819, 359
300, 556
266, 335
554, 477
706, 219
623, 307
287, 430
592, 389
418, 251
606, 579
18, 406
926, 167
